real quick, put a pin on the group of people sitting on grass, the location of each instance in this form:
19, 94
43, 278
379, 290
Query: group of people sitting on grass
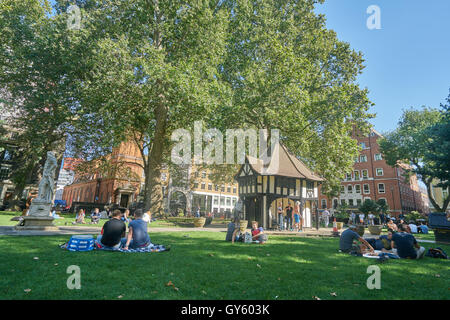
234, 233
411, 227
114, 236
399, 242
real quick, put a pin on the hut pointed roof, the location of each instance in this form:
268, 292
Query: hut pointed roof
282, 163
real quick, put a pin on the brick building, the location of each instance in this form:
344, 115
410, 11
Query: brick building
372, 178
118, 181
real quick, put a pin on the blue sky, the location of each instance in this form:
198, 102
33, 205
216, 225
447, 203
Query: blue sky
407, 60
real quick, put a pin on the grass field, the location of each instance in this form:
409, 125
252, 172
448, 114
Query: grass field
201, 265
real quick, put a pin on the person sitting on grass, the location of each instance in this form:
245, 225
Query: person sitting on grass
125, 218
392, 226
95, 216
422, 228
234, 231
258, 233
113, 232
346, 241
137, 232
80, 217
406, 245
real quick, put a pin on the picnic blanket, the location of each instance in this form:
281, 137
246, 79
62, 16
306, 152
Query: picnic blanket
97, 246
150, 248
378, 254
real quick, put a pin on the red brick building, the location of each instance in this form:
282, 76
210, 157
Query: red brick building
372, 178
119, 183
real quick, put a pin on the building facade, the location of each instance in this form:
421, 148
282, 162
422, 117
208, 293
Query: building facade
117, 182
372, 178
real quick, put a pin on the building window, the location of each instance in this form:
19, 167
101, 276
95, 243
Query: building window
356, 159
378, 156
216, 200
358, 202
350, 202
195, 185
335, 203
349, 176
350, 188
216, 187
381, 188
366, 188
324, 203
363, 158
229, 189
203, 185
382, 200
356, 173
365, 174
203, 175
222, 201
234, 190
228, 201
223, 188
196, 174
342, 189
379, 171
357, 188
363, 145
209, 186
343, 203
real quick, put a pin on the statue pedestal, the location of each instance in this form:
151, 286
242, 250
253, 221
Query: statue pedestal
39, 217
36, 223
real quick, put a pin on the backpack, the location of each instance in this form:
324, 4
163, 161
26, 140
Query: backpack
248, 237
436, 253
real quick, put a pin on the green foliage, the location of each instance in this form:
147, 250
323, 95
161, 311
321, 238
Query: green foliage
369, 206
413, 216
342, 212
410, 144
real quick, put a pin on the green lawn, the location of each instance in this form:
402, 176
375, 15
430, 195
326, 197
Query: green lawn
204, 266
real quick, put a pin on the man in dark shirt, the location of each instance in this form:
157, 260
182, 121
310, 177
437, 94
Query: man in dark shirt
346, 241
289, 216
406, 245
112, 231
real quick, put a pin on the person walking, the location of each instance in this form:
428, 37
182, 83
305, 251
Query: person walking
280, 217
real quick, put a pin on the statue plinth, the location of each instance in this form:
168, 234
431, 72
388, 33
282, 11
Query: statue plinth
36, 223
38, 218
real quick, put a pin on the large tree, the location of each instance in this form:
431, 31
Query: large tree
410, 144
34, 65
158, 66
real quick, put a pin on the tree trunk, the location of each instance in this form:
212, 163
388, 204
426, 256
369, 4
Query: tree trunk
154, 196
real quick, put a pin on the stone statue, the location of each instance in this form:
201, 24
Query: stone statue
47, 184
39, 215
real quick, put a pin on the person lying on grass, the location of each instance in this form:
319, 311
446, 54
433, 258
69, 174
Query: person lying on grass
346, 241
113, 232
406, 245
383, 243
137, 232
258, 233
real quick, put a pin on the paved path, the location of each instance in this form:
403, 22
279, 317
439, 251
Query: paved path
69, 230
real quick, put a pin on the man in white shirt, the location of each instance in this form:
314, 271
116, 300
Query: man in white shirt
370, 216
413, 228
147, 217
361, 218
